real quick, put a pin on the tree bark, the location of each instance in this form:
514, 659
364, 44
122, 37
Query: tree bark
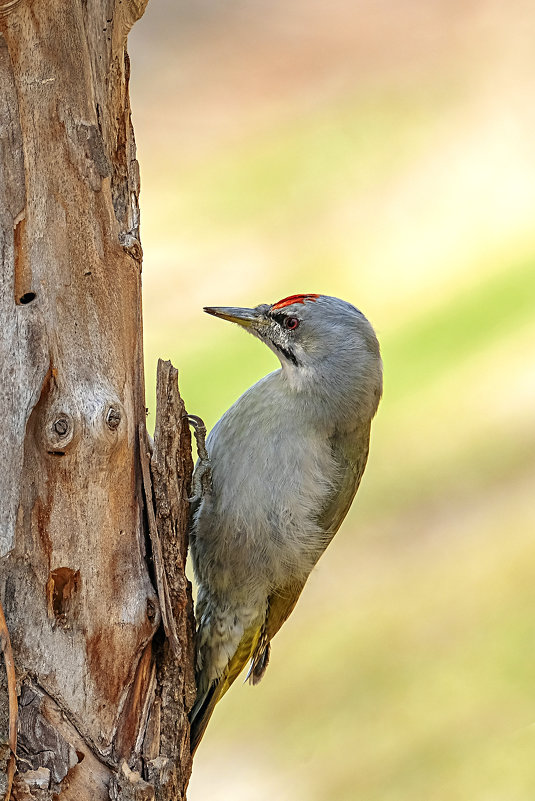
97, 673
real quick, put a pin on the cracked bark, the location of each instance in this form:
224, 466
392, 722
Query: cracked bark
104, 689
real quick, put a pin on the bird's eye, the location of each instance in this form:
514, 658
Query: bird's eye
291, 323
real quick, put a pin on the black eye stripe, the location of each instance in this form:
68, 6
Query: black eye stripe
282, 319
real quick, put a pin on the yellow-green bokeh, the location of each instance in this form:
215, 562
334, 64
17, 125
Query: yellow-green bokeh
383, 153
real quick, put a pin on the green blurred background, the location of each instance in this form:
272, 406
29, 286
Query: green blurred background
381, 152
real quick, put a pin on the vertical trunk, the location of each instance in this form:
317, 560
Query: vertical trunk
80, 605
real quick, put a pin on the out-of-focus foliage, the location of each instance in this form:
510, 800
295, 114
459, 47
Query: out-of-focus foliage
384, 153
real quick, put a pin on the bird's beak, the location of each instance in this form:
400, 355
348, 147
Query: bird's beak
244, 317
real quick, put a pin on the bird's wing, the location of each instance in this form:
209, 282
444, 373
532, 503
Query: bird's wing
350, 454
280, 605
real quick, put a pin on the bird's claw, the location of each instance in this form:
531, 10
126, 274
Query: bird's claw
202, 477
202, 481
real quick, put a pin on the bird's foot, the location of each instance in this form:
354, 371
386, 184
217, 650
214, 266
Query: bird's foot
202, 477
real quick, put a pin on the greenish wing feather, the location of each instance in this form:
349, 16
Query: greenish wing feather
350, 454
280, 605
246, 648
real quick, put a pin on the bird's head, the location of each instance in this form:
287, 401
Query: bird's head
317, 339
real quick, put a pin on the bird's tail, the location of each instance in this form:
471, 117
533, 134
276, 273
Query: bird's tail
206, 701
202, 712
259, 663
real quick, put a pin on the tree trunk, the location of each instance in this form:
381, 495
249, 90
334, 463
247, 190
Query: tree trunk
103, 687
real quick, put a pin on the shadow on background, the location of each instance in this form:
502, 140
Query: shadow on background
381, 152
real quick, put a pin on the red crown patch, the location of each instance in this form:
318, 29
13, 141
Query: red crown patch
291, 299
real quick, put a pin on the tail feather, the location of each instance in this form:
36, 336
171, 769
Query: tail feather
206, 701
259, 664
201, 713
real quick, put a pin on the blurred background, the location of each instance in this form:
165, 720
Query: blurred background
382, 152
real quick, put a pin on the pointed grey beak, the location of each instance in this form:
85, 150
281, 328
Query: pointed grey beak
244, 317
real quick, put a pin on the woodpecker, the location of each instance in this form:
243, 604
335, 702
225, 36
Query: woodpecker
285, 461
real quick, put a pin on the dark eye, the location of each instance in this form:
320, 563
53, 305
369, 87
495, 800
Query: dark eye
291, 323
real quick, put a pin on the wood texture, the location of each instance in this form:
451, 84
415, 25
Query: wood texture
171, 468
8, 737
75, 560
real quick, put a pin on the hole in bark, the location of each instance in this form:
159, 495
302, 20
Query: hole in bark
27, 297
56, 453
61, 587
80, 755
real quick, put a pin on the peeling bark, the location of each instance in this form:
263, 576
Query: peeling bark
171, 468
98, 680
